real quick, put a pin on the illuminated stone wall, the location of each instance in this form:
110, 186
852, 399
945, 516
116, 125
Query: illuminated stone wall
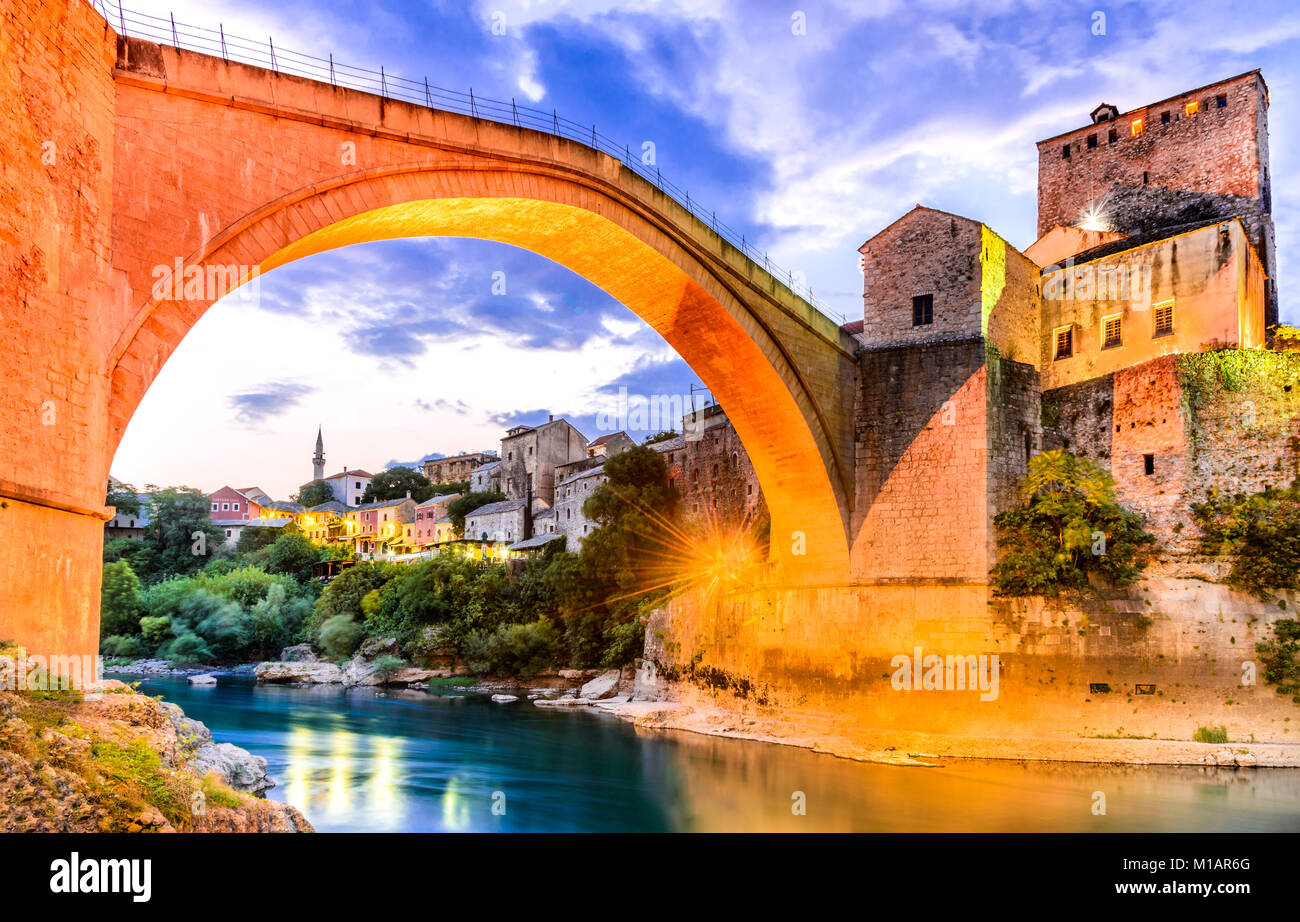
827, 654
56, 131
1227, 420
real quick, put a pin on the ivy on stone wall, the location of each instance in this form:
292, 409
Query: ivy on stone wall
1248, 385
1281, 658
1070, 528
1259, 532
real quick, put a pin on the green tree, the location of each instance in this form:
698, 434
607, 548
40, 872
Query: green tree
255, 537
293, 555
395, 482
450, 486
313, 494
123, 497
1070, 526
340, 636
663, 436
180, 533
119, 600
457, 509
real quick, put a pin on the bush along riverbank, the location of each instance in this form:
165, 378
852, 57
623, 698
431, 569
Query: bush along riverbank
121, 761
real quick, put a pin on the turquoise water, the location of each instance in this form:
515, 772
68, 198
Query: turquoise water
411, 761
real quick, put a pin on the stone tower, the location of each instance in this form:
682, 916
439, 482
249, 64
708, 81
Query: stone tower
318, 459
1197, 156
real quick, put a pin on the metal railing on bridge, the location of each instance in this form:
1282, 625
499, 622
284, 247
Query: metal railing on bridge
219, 43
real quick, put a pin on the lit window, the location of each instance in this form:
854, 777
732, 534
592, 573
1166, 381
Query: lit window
1135, 127
1191, 108
1112, 331
922, 310
1064, 342
1164, 318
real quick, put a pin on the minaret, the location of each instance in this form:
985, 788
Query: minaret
318, 459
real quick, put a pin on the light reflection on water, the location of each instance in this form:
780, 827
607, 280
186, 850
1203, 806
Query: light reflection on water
409, 761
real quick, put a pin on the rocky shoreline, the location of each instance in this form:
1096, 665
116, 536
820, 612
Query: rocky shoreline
121, 761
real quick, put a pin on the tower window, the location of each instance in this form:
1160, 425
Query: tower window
1148, 464
1164, 118
1092, 141
1112, 331
1064, 342
1146, 177
1221, 102
1135, 127
1065, 152
1114, 136
922, 310
1164, 318
1192, 107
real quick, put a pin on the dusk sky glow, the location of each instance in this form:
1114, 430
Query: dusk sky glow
809, 143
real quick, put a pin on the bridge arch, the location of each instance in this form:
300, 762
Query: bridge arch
601, 234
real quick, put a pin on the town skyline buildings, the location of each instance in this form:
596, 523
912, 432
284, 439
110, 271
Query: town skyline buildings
404, 343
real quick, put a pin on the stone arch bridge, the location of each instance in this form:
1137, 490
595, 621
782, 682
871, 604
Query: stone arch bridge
128, 158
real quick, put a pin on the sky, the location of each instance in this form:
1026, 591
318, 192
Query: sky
809, 126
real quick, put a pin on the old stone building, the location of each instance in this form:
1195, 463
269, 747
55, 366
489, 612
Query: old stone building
713, 475
1194, 157
456, 467
1155, 249
530, 455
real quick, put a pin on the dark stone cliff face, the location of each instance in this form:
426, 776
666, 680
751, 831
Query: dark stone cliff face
116, 763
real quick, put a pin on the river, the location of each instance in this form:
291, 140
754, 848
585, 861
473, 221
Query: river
415, 761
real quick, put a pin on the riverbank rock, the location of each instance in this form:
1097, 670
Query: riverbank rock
604, 685
504, 699
127, 763
299, 653
300, 673
237, 767
202, 680
562, 703
376, 647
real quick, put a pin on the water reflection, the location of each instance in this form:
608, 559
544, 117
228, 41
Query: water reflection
410, 761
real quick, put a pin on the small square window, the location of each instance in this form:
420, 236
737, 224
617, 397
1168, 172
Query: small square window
1135, 127
1148, 464
1092, 141
225, 507
1112, 330
1164, 118
1114, 136
1192, 107
234, 506
1065, 152
1164, 318
922, 310
1064, 342
1220, 102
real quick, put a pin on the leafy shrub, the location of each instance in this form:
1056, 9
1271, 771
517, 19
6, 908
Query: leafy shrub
1071, 526
515, 649
186, 649
1260, 533
340, 636
1211, 734
119, 599
386, 667
1281, 658
121, 646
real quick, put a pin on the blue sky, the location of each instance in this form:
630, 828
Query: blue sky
809, 126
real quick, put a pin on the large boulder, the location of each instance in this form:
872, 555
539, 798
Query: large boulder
299, 653
237, 767
360, 671
299, 673
604, 685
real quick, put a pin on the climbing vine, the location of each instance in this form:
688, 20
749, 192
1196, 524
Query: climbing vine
1259, 532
